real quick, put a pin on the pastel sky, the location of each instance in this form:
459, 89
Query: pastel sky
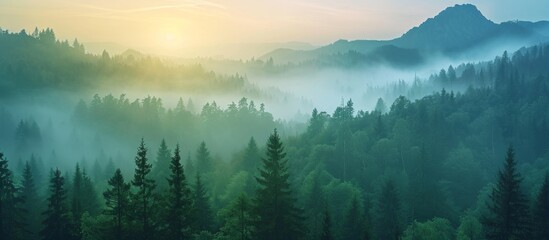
188, 23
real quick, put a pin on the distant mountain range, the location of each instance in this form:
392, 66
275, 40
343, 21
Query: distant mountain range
453, 31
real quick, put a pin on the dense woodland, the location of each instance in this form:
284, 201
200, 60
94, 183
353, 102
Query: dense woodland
469, 161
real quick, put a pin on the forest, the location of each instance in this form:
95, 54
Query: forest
135, 146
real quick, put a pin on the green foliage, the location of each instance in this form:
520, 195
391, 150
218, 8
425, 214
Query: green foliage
9, 203
541, 211
204, 162
326, 233
77, 192
179, 202
201, 210
469, 228
117, 202
508, 216
388, 220
31, 203
275, 207
143, 200
56, 217
161, 169
251, 159
353, 227
238, 219
435, 229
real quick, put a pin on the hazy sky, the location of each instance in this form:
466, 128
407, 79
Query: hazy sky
170, 24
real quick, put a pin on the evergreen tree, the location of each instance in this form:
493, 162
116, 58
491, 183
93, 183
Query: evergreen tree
326, 233
117, 203
508, 206
56, 223
201, 211
388, 225
143, 200
251, 157
8, 202
238, 219
161, 169
277, 215
203, 160
77, 194
178, 200
90, 199
29, 196
541, 212
379, 128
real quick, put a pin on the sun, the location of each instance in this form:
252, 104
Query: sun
169, 37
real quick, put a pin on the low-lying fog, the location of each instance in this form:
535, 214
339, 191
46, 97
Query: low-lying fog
289, 97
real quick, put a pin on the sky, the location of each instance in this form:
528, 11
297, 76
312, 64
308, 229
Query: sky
170, 25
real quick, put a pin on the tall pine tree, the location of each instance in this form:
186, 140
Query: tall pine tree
29, 196
117, 201
541, 212
204, 163
161, 169
178, 200
143, 199
251, 158
275, 206
201, 210
9, 202
77, 195
508, 206
56, 223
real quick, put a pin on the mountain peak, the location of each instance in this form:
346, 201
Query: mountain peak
461, 13
452, 28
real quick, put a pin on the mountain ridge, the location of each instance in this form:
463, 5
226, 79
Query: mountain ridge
452, 31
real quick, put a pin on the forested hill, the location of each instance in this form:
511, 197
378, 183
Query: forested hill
39, 61
440, 167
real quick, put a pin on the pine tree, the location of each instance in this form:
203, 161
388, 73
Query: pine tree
251, 157
29, 196
508, 206
117, 202
90, 198
203, 159
238, 219
326, 233
77, 194
161, 169
178, 200
201, 211
143, 200
388, 225
9, 202
56, 222
541, 212
275, 207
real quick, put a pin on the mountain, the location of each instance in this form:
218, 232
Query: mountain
453, 31
455, 27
